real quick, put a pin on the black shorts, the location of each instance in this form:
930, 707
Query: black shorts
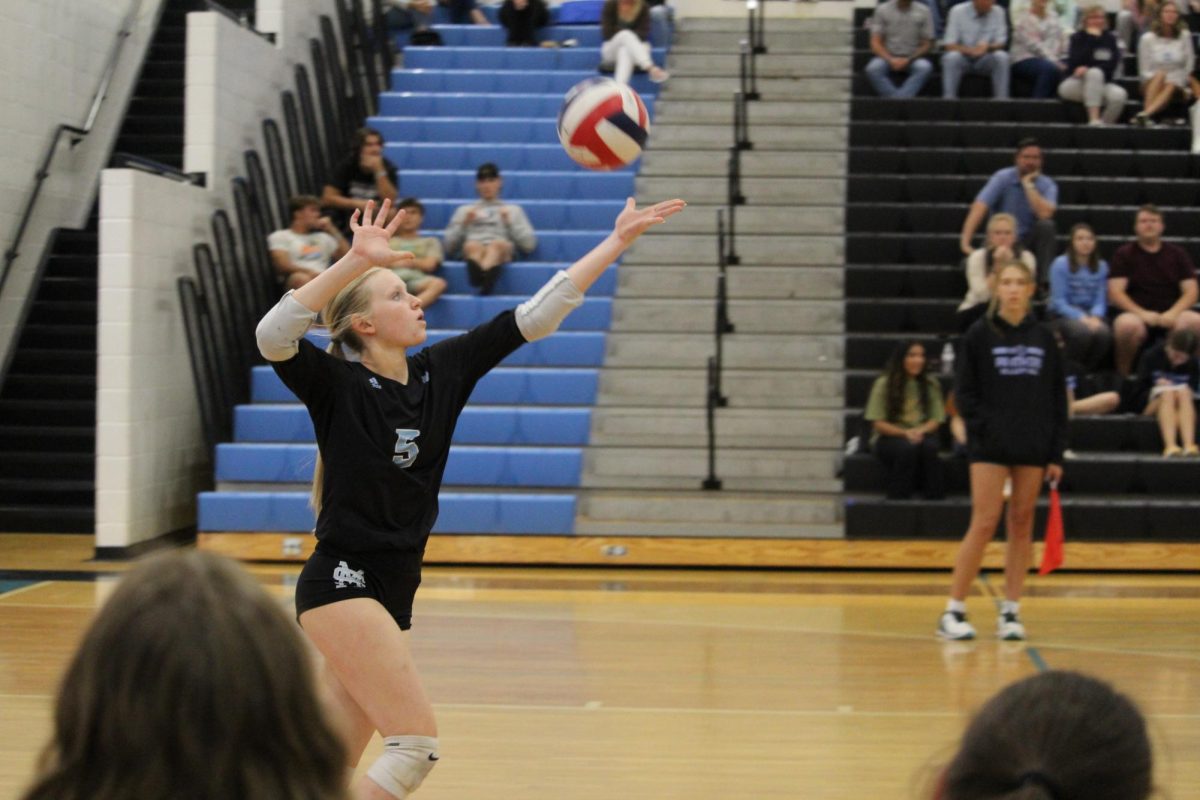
328, 577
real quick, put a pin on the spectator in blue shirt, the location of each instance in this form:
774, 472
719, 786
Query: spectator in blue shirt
1079, 298
976, 33
1023, 191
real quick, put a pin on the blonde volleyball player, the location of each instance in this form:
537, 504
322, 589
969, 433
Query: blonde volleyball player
384, 420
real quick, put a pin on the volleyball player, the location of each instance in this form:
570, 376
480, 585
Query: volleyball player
384, 421
1011, 390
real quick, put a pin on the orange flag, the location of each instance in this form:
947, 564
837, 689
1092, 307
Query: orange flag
1052, 553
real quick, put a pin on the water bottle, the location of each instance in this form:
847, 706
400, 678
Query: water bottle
948, 359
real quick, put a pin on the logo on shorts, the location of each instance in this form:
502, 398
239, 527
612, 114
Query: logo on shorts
343, 576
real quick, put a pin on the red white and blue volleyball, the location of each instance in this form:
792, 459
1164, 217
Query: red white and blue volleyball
603, 124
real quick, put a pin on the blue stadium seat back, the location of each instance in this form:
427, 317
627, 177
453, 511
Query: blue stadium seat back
544, 215
519, 186
503, 81
463, 104
558, 245
467, 311
478, 513
504, 385
510, 58
483, 36
523, 279
466, 465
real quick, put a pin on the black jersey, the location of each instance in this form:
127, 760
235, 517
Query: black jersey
385, 444
1012, 393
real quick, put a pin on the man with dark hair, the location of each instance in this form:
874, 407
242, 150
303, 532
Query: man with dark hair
308, 246
976, 33
489, 232
363, 176
1152, 288
418, 275
1023, 191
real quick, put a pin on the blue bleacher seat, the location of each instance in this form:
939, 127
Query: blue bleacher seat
468, 311
505, 385
519, 186
512, 514
563, 349
432, 104
466, 465
557, 245
523, 279
494, 425
469, 155
545, 215
503, 81
510, 58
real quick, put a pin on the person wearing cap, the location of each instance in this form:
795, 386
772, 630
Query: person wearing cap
488, 232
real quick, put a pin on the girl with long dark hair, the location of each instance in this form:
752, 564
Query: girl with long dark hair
905, 410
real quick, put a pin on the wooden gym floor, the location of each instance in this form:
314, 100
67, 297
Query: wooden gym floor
555, 684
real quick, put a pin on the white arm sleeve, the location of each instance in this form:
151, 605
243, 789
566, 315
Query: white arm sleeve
540, 315
279, 331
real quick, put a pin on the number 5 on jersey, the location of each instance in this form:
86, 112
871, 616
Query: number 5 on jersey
406, 447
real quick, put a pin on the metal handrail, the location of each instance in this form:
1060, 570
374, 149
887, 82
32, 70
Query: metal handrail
747, 72
77, 134
757, 36
242, 20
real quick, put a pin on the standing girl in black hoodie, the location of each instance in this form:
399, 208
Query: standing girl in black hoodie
1012, 392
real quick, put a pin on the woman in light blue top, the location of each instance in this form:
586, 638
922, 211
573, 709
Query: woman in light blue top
1079, 298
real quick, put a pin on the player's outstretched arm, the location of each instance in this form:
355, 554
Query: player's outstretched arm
369, 248
540, 315
631, 223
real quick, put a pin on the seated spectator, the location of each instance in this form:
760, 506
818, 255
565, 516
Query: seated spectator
522, 18
1066, 11
974, 41
1151, 288
427, 254
308, 246
464, 12
1000, 247
1133, 20
905, 410
1093, 59
1168, 377
1165, 61
1085, 397
1038, 49
662, 23
1023, 191
190, 682
1052, 736
488, 231
408, 15
625, 26
364, 175
1079, 299
901, 35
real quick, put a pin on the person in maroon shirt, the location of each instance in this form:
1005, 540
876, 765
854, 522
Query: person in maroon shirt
1152, 287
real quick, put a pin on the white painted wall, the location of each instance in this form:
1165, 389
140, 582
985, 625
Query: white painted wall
52, 53
150, 455
234, 80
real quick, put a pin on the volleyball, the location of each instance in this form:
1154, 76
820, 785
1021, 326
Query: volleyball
603, 124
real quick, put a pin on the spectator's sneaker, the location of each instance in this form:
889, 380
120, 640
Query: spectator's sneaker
1191, 451
953, 627
1172, 450
1009, 627
1142, 120
658, 75
488, 280
474, 272
1098, 123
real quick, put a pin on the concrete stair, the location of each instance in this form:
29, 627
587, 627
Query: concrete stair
778, 439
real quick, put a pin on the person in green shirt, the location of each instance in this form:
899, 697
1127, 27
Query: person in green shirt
905, 410
418, 274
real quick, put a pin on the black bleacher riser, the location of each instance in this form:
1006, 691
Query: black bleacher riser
945, 281
948, 217
913, 248
1097, 474
1104, 164
885, 133
1084, 519
1072, 190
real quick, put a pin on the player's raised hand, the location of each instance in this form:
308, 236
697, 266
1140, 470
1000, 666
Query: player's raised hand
372, 237
632, 222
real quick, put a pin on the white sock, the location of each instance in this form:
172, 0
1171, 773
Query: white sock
1010, 607
956, 605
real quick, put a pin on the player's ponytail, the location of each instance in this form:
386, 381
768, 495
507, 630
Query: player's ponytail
354, 300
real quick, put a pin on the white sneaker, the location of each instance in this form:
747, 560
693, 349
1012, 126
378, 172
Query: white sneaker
1009, 627
953, 627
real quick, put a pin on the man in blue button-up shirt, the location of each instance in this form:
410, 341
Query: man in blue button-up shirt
1023, 191
976, 33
